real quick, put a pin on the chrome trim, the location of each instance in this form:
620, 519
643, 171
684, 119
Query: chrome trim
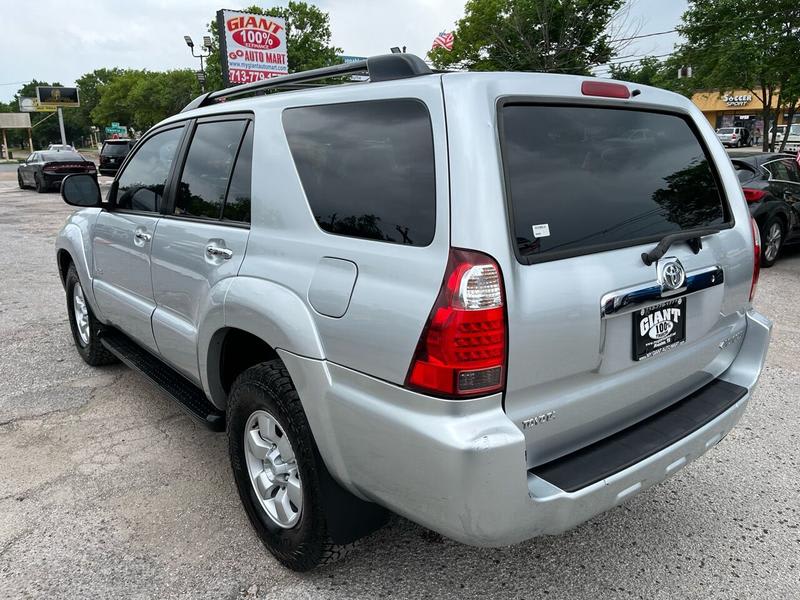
634, 297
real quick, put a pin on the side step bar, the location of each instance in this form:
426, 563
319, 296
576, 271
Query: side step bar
632, 445
191, 398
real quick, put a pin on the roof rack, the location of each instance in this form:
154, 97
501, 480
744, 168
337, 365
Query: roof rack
385, 67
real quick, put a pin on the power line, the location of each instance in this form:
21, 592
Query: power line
645, 35
16, 82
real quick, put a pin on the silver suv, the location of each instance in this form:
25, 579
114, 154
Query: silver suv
485, 301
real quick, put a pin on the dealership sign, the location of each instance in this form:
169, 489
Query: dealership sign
252, 47
742, 100
32, 105
66, 97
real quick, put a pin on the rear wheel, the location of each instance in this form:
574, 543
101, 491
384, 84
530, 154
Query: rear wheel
772, 236
277, 467
39, 184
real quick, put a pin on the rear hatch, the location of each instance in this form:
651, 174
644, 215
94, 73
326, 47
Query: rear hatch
567, 192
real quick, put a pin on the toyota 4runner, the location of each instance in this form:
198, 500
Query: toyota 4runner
473, 299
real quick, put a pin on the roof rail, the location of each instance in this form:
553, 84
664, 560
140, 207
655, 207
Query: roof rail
385, 67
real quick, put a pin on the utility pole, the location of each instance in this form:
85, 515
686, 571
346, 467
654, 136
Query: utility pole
61, 126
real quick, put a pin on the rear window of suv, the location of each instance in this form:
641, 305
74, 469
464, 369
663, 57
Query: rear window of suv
579, 182
367, 168
115, 148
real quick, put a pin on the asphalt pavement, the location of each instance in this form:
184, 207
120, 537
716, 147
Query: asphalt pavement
109, 491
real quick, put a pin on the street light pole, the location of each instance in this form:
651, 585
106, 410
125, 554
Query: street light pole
61, 126
203, 53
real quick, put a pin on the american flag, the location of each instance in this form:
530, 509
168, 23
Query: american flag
444, 40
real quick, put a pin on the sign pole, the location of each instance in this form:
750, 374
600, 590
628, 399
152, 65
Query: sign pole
61, 126
30, 138
5, 145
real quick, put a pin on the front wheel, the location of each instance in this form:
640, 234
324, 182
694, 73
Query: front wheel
277, 467
772, 236
20, 181
85, 327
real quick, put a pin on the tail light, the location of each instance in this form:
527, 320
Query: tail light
756, 258
462, 350
752, 195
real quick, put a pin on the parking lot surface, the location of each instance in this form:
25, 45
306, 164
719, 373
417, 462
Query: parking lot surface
109, 491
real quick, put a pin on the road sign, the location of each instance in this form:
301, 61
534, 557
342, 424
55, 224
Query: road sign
117, 129
65, 97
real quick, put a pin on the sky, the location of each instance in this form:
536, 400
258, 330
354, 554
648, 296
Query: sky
58, 40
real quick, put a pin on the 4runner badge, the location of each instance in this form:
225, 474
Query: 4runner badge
539, 419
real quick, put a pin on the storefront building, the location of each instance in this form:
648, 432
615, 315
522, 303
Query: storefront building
736, 108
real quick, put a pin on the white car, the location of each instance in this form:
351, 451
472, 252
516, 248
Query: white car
734, 136
61, 147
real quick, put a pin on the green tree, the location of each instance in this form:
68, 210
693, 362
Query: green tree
744, 44
560, 36
140, 99
658, 73
308, 40
89, 86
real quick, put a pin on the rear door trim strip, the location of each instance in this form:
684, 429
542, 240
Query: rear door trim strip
632, 298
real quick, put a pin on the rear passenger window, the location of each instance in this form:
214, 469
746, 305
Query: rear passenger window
237, 202
578, 181
204, 181
784, 170
367, 168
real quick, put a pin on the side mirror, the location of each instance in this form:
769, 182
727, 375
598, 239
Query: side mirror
81, 189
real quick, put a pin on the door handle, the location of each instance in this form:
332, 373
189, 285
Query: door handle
215, 251
143, 235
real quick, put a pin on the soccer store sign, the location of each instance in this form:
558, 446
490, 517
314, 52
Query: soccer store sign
253, 47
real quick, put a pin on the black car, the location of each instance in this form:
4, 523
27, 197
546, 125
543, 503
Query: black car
771, 184
45, 169
112, 154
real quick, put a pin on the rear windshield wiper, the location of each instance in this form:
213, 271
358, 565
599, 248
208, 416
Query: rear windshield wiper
692, 237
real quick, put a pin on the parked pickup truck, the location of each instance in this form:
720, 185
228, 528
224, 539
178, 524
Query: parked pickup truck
497, 304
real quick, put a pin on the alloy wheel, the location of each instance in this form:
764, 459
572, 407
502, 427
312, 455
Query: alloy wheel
81, 313
774, 240
272, 467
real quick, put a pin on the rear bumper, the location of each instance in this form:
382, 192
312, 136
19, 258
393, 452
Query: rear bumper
55, 179
459, 468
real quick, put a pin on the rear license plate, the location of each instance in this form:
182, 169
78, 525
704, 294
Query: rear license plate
659, 328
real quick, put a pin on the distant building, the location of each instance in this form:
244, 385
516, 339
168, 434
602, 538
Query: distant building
736, 108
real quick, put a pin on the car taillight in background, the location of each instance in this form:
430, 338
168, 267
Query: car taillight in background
756, 257
752, 195
462, 350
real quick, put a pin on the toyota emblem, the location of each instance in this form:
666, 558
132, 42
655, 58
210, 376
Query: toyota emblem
671, 274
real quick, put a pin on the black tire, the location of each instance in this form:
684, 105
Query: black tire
93, 352
19, 180
40, 186
766, 231
268, 387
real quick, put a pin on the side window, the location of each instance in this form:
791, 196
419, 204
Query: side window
204, 181
792, 171
141, 184
237, 201
367, 168
778, 169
